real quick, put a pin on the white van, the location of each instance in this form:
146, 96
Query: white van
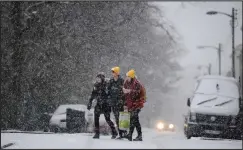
214, 108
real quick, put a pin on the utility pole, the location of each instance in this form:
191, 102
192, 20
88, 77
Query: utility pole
233, 18
233, 41
219, 53
209, 68
241, 79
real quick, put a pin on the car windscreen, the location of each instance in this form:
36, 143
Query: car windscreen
218, 86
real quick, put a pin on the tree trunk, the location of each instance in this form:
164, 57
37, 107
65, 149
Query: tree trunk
17, 59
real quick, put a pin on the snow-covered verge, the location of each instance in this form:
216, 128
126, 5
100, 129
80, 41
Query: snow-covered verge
169, 140
68, 141
152, 140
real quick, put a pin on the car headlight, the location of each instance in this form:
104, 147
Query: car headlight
160, 126
171, 126
193, 116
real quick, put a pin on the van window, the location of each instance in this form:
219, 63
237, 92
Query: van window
225, 87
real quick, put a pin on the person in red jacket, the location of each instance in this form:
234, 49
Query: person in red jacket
133, 103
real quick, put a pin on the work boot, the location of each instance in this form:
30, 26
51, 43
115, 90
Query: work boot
121, 134
114, 134
138, 138
129, 137
96, 136
120, 137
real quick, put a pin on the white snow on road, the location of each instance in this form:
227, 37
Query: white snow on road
152, 140
168, 140
68, 141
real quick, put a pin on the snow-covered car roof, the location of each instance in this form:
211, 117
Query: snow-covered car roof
63, 108
225, 86
216, 94
217, 77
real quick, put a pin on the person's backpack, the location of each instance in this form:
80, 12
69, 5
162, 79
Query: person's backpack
142, 95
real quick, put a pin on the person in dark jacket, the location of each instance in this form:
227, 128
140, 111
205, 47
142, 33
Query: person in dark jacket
100, 94
133, 103
116, 96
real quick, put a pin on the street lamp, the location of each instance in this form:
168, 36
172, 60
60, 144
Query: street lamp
217, 12
212, 12
233, 18
219, 53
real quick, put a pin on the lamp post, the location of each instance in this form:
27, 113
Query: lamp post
209, 68
241, 78
219, 53
233, 18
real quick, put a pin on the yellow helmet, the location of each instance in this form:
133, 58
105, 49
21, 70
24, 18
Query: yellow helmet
116, 70
131, 73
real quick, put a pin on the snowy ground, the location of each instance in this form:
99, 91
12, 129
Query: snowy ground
152, 140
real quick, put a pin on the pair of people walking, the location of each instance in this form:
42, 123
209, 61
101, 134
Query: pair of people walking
121, 95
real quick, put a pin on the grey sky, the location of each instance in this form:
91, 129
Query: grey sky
197, 28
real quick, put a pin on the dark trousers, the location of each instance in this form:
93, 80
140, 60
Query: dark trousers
134, 122
116, 111
106, 110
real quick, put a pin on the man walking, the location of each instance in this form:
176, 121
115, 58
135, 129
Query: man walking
102, 106
116, 96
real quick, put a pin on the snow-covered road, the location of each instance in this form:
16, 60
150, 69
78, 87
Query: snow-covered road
152, 140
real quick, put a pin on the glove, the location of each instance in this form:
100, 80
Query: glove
123, 98
120, 102
125, 108
126, 90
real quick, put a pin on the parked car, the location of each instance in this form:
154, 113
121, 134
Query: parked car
214, 108
58, 120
